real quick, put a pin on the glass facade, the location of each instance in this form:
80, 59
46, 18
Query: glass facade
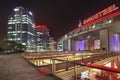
21, 28
42, 38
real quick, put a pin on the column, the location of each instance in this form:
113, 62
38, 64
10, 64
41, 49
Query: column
104, 43
69, 44
53, 66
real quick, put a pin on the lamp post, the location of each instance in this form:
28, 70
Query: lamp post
67, 64
75, 76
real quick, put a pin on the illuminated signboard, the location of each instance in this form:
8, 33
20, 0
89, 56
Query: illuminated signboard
101, 13
40, 26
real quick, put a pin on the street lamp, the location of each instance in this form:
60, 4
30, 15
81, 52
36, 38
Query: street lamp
75, 76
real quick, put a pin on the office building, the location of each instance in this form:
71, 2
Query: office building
52, 44
21, 28
42, 38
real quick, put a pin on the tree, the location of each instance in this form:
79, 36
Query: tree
19, 47
11, 46
3, 45
1, 50
15, 47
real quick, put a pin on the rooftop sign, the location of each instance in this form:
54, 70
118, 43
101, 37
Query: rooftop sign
40, 26
102, 13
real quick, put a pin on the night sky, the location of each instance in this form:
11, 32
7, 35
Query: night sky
60, 16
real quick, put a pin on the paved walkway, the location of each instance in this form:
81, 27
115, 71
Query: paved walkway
14, 67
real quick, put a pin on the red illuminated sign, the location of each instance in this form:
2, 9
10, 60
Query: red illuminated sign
101, 14
41, 26
38, 26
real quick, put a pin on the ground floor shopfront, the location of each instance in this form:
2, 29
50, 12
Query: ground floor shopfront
102, 38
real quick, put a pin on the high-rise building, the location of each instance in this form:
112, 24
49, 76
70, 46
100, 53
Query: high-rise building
21, 28
42, 38
52, 44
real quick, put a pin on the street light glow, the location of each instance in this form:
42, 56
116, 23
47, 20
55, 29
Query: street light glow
16, 9
30, 13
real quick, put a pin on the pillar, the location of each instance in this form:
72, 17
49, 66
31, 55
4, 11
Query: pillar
67, 64
104, 43
69, 44
53, 66
65, 45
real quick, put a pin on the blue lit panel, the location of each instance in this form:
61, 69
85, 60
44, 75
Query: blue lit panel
114, 43
75, 46
78, 45
82, 45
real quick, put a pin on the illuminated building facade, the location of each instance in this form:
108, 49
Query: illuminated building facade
51, 44
98, 32
42, 38
21, 28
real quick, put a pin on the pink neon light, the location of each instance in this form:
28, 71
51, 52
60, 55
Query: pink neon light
100, 19
40, 26
101, 13
103, 18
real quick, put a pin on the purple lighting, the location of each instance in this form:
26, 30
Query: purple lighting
114, 43
81, 45
78, 45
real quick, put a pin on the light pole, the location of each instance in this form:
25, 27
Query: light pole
67, 64
75, 76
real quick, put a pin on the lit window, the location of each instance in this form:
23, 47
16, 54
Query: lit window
38, 39
14, 34
18, 39
16, 15
110, 21
10, 39
30, 33
24, 15
8, 32
17, 22
16, 9
93, 26
25, 22
11, 18
23, 43
23, 31
41, 33
9, 27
